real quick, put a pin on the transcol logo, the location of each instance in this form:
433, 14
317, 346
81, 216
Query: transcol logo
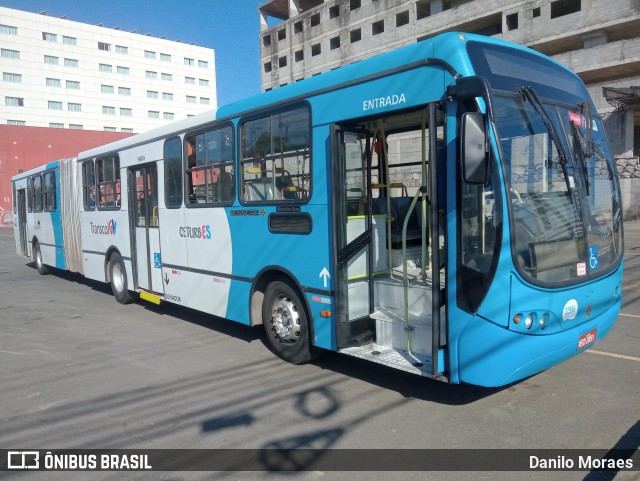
108, 229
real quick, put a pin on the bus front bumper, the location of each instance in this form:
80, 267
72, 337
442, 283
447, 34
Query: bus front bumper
491, 355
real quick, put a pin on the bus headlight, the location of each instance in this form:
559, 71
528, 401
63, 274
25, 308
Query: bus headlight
528, 321
543, 322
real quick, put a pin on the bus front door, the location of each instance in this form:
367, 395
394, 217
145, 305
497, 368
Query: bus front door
22, 221
354, 234
143, 209
389, 211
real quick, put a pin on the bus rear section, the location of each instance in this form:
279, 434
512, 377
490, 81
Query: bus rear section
45, 209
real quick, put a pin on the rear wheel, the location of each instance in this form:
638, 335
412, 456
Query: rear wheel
287, 325
118, 278
37, 257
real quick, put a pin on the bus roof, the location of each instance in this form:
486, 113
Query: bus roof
35, 170
445, 45
159, 132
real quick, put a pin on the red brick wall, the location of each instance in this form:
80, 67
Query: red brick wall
28, 147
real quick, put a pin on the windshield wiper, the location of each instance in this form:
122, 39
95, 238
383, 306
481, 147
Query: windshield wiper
582, 155
530, 95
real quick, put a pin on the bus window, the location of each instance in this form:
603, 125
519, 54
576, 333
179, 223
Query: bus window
108, 177
173, 172
36, 193
480, 217
146, 188
276, 157
50, 191
210, 167
88, 185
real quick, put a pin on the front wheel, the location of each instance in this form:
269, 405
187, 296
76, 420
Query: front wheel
118, 279
287, 325
37, 256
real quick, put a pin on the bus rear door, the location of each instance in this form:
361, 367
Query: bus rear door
143, 210
22, 222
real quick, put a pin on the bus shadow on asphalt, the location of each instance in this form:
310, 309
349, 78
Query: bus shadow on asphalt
407, 384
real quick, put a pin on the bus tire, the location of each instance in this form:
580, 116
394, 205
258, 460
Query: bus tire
118, 279
286, 323
43, 269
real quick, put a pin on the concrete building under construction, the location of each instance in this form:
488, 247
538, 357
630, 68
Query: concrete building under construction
598, 39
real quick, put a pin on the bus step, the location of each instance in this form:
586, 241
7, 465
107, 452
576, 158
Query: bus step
395, 358
389, 294
149, 297
391, 331
361, 339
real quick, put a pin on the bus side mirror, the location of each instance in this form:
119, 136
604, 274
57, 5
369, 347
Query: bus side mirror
473, 141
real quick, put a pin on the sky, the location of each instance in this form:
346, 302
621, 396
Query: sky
230, 27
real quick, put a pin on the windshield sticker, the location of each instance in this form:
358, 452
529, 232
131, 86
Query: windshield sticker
582, 268
577, 119
350, 138
581, 121
570, 310
594, 260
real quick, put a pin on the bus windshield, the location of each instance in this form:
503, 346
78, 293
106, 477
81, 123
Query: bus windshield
565, 210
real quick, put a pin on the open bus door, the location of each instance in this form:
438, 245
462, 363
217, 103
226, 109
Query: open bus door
143, 212
354, 235
22, 221
389, 240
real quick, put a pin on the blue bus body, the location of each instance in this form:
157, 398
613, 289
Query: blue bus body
340, 187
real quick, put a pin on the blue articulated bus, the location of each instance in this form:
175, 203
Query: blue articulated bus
450, 209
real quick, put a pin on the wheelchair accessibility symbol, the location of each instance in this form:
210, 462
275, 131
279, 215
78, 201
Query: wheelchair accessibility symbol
594, 262
157, 261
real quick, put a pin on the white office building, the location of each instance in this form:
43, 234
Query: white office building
59, 73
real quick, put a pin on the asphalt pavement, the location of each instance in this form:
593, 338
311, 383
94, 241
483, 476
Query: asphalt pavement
78, 370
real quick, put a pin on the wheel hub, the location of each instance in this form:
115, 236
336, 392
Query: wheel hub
286, 319
118, 277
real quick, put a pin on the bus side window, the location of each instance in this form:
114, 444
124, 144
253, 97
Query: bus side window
173, 172
108, 177
276, 157
36, 192
29, 196
480, 224
50, 191
88, 185
210, 167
